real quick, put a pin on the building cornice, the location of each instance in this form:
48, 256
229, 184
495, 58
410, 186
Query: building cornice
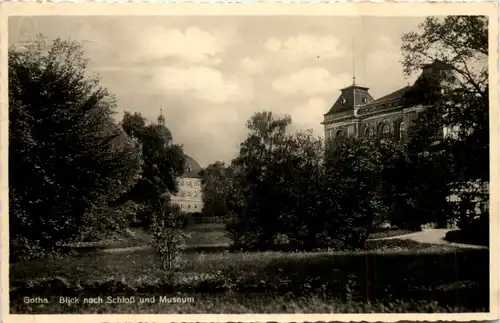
368, 116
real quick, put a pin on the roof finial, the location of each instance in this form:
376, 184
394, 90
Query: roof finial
353, 59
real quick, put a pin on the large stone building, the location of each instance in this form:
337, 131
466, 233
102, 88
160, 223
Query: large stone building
189, 196
357, 113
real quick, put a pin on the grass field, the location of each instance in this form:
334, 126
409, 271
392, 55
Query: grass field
233, 303
395, 276
201, 235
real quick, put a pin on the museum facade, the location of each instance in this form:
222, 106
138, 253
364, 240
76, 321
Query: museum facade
357, 113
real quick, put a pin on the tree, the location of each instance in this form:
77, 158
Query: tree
300, 163
216, 189
353, 190
162, 164
259, 206
276, 195
66, 154
460, 104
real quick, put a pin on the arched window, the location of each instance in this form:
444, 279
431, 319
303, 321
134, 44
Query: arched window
385, 130
368, 132
401, 130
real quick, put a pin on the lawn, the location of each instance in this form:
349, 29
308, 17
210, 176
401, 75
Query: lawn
394, 276
201, 236
389, 233
231, 303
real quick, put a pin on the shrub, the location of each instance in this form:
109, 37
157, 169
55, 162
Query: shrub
169, 238
476, 232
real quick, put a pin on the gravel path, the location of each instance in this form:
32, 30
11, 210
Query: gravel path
434, 236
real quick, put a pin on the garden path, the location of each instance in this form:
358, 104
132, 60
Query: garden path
434, 236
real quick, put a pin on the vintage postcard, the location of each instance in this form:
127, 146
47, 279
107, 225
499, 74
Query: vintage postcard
249, 162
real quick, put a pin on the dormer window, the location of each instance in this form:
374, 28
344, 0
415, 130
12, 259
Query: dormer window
343, 100
188, 168
366, 100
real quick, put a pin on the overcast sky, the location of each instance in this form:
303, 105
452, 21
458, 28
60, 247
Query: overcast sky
210, 74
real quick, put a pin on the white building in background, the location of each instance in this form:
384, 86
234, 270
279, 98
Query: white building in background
189, 195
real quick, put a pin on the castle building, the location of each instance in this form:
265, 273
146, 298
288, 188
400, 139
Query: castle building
357, 113
189, 196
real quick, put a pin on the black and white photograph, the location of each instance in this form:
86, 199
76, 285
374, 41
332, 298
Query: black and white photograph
287, 163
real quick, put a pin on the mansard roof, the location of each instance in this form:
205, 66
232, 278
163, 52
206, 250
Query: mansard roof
350, 97
396, 95
358, 96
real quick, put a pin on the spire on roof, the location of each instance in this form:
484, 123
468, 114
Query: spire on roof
161, 118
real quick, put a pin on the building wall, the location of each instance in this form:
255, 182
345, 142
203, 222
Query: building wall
189, 197
358, 126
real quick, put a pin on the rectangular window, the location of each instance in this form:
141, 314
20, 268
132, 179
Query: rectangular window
188, 194
182, 194
189, 206
182, 206
195, 183
188, 183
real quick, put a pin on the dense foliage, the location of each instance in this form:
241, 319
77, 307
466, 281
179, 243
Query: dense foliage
216, 189
284, 189
162, 163
75, 174
67, 156
457, 164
